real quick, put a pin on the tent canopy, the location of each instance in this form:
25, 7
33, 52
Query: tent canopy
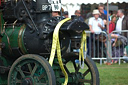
72, 5
91, 1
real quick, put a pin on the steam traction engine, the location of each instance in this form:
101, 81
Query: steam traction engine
26, 35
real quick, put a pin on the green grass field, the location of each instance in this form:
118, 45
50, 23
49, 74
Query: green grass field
114, 74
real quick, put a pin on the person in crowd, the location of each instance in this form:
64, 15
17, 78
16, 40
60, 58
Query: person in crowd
114, 37
122, 22
105, 12
78, 13
112, 24
96, 24
110, 15
55, 14
103, 16
125, 57
101, 10
65, 14
112, 28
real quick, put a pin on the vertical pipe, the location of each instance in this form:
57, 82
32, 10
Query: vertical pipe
102, 48
109, 55
94, 46
119, 60
98, 47
108, 16
101, 61
90, 46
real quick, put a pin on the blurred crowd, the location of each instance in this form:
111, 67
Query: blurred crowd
98, 22
117, 20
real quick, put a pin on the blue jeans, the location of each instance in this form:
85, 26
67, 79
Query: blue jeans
125, 59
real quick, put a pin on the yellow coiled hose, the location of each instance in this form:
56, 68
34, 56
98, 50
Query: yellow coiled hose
56, 46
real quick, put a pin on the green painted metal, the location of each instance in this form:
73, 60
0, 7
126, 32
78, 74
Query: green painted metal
10, 36
10, 39
3, 77
1, 23
22, 41
13, 38
35, 71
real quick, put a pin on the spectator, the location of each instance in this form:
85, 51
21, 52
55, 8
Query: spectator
55, 14
103, 16
95, 23
125, 57
65, 14
122, 22
112, 24
104, 40
101, 10
105, 12
78, 13
89, 15
110, 15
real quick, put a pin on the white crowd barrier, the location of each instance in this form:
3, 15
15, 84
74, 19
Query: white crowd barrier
103, 46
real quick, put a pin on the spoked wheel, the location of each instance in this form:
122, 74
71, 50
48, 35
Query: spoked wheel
31, 70
89, 75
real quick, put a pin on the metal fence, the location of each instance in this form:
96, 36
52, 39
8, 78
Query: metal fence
103, 46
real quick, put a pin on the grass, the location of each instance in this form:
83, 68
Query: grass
114, 74
109, 75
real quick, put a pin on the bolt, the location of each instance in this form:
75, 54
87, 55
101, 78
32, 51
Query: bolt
64, 38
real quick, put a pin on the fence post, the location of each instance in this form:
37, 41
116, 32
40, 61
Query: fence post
109, 49
119, 60
101, 61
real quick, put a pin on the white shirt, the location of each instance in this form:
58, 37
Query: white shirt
119, 24
94, 23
